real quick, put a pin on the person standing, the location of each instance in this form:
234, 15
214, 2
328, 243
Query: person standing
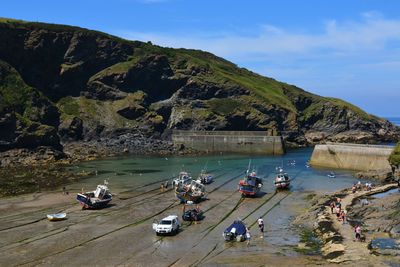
357, 230
248, 236
260, 222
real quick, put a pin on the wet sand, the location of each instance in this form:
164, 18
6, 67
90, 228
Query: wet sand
122, 235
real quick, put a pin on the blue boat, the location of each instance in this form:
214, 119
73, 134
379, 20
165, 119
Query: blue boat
236, 231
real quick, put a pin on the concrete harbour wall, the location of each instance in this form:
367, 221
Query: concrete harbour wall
230, 141
351, 156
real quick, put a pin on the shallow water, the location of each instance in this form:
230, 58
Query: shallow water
385, 243
387, 193
128, 173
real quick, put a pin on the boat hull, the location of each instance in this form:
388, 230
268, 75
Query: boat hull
88, 204
185, 197
249, 193
282, 185
56, 217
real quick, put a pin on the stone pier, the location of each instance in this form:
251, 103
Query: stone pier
352, 156
254, 142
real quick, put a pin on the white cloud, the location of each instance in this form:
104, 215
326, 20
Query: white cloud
371, 32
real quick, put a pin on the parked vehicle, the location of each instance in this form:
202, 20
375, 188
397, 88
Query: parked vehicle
168, 225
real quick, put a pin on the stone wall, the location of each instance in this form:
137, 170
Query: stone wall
352, 156
230, 141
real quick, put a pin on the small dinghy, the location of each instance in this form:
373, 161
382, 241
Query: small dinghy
235, 232
56, 216
95, 199
331, 175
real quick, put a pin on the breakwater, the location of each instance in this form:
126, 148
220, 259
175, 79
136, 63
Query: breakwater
257, 142
351, 156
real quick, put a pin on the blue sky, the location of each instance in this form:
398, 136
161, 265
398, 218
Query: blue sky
346, 49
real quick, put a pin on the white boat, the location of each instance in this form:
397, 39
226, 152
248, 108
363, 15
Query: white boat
95, 199
282, 180
183, 179
193, 191
331, 175
56, 216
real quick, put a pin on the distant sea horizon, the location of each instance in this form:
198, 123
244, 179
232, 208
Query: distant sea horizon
394, 120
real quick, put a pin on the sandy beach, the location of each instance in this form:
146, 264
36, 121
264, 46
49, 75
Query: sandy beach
122, 234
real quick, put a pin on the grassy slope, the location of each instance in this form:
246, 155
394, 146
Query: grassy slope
220, 71
14, 93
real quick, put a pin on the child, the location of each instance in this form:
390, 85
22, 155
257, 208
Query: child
248, 236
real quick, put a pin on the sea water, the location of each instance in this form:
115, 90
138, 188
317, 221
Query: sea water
130, 172
394, 120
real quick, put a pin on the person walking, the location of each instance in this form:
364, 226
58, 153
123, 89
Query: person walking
343, 216
357, 230
260, 222
333, 206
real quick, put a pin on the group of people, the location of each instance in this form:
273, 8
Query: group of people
336, 208
358, 186
260, 223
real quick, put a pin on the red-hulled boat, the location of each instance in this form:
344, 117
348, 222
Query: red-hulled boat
250, 185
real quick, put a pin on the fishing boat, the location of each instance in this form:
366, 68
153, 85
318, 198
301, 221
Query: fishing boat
235, 232
205, 178
56, 216
250, 185
95, 199
190, 192
282, 180
183, 179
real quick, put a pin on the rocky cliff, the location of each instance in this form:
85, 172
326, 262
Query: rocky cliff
62, 84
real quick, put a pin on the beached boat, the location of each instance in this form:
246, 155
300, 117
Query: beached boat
235, 232
183, 179
331, 175
282, 180
56, 216
95, 199
190, 192
250, 185
192, 214
205, 178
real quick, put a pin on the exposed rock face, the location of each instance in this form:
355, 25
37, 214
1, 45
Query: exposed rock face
78, 84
